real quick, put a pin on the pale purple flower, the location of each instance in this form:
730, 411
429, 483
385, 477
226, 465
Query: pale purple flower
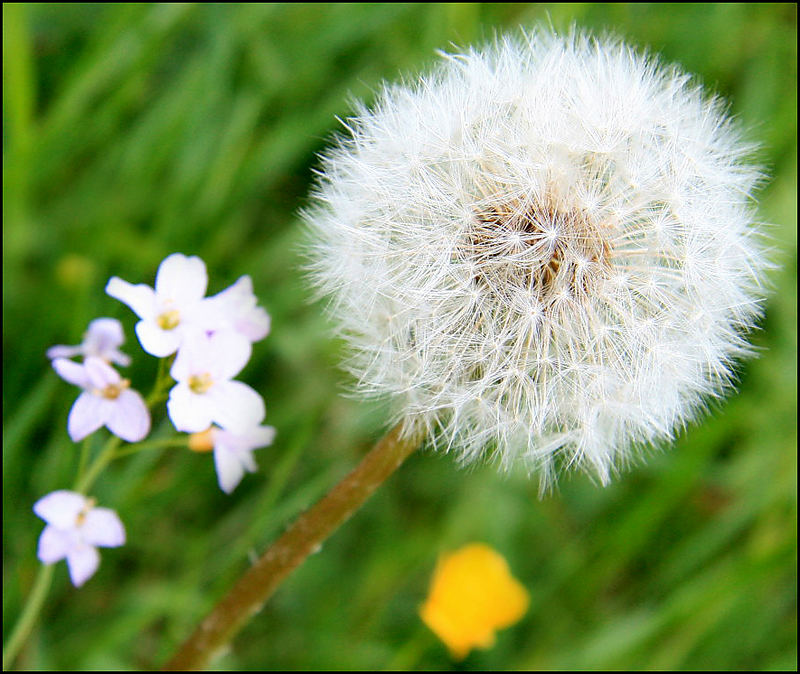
106, 400
236, 307
75, 528
174, 309
102, 339
233, 451
205, 394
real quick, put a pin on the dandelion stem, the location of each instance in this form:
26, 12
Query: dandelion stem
302, 538
29, 615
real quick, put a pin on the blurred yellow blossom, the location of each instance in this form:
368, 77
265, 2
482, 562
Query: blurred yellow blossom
472, 595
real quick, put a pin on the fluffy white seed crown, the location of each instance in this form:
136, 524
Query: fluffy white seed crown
544, 250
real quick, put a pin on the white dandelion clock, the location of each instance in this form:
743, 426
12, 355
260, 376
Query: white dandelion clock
544, 251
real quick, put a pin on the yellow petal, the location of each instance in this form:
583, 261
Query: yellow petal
472, 595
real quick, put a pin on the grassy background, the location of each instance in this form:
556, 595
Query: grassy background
133, 131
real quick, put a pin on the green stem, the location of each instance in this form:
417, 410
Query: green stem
84, 458
103, 459
161, 443
29, 615
83, 482
163, 381
302, 538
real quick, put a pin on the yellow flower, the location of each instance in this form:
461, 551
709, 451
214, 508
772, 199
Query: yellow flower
472, 595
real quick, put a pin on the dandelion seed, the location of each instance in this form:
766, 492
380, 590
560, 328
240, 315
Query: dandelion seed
543, 252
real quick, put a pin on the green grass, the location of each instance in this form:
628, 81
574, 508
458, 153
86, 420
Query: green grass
134, 131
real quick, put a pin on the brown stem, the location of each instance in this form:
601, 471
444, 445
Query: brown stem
308, 532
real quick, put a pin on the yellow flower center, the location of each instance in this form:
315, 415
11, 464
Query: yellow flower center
200, 383
169, 320
112, 391
81, 517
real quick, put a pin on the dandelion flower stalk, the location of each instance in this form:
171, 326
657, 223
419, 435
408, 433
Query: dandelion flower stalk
301, 539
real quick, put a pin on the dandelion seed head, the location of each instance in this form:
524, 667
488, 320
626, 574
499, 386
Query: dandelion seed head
544, 251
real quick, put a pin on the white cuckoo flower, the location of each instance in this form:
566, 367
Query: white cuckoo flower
107, 400
102, 340
545, 250
173, 309
233, 452
75, 529
236, 308
205, 393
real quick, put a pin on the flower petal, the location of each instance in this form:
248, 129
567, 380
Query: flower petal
102, 339
83, 561
235, 406
53, 545
228, 353
101, 374
60, 508
236, 294
140, 298
116, 356
472, 595
181, 279
155, 341
192, 357
229, 469
254, 324
103, 527
129, 417
62, 351
237, 306
74, 373
238, 446
104, 334
248, 462
189, 412
260, 436
88, 413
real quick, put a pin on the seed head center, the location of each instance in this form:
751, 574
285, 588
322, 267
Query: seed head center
555, 252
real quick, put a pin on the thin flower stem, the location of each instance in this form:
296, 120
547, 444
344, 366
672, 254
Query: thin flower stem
162, 443
109, 453
84, 480
105, 457
163, 380
84, 458
29, 615
302, 538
